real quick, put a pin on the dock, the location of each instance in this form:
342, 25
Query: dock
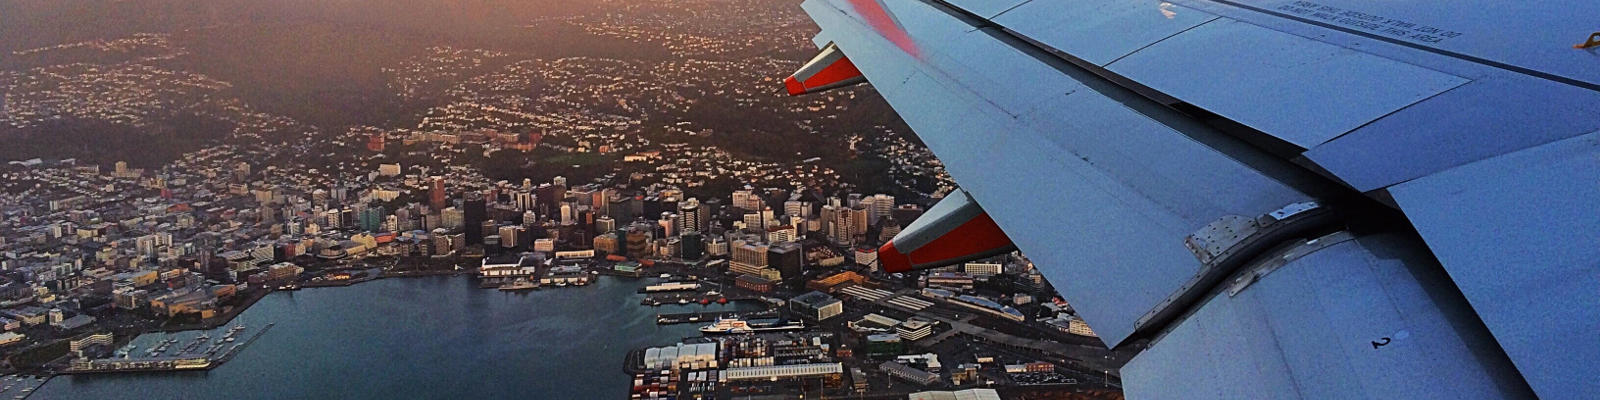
708, 316
21, 386
179, 362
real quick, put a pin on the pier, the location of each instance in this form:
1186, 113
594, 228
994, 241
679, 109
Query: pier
179, 362
708, 316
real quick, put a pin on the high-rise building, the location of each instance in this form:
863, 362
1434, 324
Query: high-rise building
669, 223
548, 198
781, 234
797, 208
371, 218
748, 254
839, 225
452, 218
607, 243
713, 210
715, 246
691, 246
858, 221
436, 195
741, 199
878, 206
638, 240
509, 236
474, 213
789, 259
890, 227
689, 215
524, 200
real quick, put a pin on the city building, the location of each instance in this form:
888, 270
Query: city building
969, 394
816, 305
748, 256
981, 269
503, 267
913, 330
474, 215
783, 372
908, 373
680, 356
606, 243
950, 280
436, 194
753, 283
9, 338
828, 283
868, 256
789, 259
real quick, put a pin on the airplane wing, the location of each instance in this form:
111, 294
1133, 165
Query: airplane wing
1271, 199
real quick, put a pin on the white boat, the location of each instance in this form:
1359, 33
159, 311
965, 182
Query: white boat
731, 326
519, 284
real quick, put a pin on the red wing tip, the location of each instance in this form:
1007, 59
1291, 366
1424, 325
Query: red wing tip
794, 86
892, 260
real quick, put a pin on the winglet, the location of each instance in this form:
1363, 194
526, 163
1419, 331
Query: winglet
955, 230
829, 69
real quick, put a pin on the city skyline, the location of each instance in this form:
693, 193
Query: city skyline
173, 183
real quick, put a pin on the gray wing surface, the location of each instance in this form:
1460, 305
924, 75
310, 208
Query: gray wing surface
1157, 160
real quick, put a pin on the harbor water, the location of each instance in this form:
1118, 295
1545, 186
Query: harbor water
419, 338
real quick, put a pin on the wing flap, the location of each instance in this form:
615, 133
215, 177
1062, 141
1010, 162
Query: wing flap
1518, 234
1333, 318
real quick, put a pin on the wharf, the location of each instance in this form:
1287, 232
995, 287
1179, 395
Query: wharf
161, 364
708, 316
657, 299
21, 386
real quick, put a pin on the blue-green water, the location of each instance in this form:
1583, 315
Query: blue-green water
418, 338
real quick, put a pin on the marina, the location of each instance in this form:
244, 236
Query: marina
202, 352
18, 387
363, 341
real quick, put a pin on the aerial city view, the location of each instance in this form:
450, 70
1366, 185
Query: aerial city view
741, 199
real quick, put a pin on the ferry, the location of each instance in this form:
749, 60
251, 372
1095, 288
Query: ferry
733, 326
519, 284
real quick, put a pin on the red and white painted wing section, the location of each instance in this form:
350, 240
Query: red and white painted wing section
953, 231
829, 69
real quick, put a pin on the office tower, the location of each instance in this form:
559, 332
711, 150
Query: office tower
474, 212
